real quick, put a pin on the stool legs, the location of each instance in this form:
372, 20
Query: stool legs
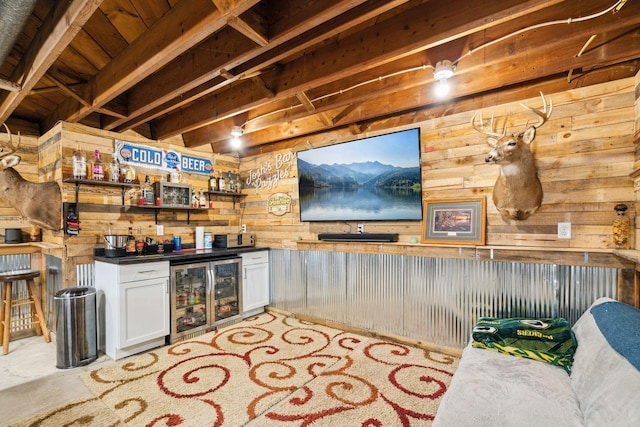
2, 299
6, 305
37, 316
40, 322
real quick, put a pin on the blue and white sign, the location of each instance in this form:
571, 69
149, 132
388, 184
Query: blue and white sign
139, 154
196, 164
164, 159
171, 160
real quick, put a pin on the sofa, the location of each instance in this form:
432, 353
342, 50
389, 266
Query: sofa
603, 389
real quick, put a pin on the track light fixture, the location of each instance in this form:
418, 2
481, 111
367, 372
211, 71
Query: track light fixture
237, 131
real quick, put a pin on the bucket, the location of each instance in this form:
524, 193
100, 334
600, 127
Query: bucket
115, 241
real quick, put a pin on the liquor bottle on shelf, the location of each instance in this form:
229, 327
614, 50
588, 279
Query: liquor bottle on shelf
221, 183
238, 186
79, 164
202, 201
114, 169
229, 182
213, 182
195, 201
98, 167
147, 192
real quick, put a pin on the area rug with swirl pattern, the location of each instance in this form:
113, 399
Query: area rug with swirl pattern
269, 370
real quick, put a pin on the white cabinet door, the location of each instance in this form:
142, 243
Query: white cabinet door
255, 280
143, 311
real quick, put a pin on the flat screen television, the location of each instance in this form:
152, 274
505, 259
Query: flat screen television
369, 179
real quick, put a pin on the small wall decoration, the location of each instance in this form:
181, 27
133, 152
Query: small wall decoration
268, 174
279, 204
454, 221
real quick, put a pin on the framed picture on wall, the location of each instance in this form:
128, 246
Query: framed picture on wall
454, 221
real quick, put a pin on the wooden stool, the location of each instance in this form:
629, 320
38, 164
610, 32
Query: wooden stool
37, 318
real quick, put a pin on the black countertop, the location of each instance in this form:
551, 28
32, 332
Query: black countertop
185, 255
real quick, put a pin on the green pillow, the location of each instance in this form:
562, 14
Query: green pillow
548, 340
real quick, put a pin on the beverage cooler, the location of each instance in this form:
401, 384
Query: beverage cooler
204, 295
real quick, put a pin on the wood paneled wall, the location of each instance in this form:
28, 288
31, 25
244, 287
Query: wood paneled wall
584, 155
101, 208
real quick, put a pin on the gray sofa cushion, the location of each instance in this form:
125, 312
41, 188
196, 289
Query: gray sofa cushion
605, 382
492, 389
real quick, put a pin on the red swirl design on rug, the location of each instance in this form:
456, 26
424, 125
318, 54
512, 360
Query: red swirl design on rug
269, 370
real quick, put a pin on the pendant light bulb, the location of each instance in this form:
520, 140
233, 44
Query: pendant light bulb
442, 72
442, 88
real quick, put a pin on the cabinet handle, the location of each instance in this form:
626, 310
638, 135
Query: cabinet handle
146, 271
166, 286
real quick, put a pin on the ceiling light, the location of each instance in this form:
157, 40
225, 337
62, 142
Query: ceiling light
442, 72
236, 143
442, 88
237, 131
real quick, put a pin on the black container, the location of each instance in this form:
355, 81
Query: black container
13, 235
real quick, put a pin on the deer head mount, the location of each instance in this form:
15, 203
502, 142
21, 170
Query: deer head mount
517, 192
39, 203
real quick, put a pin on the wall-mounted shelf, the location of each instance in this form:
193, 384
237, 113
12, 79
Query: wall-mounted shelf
157, 209
235, 196
124, 186
75, 207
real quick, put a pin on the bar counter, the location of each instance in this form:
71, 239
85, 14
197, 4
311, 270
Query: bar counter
184, 255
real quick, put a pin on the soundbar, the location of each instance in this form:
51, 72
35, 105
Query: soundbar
358, 237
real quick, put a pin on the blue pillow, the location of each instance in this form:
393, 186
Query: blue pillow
620, 325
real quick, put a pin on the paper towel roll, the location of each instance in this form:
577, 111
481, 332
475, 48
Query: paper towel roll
199, 237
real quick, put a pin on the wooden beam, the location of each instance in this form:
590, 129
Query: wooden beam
345, 112
66, 89
248, 31
10, 86
56, 32
373, 43
305, 101
532, 48
263, 86
187, 24
177, 84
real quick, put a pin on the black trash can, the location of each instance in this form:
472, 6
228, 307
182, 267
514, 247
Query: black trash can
76, 337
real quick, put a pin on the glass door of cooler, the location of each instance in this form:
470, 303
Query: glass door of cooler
190, 304
227, 290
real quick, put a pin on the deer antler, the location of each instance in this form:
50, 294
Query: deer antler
8, 145
544, 115
483, 130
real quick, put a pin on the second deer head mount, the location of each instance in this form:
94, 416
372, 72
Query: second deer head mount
517, 193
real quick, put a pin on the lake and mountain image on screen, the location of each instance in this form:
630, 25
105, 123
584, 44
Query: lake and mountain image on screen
375, 178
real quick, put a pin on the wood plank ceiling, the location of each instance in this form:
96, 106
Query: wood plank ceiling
289, 68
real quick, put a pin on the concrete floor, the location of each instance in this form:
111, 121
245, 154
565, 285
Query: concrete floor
30, 383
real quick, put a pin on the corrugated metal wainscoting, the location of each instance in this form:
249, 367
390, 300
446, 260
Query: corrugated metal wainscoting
436, 300
17, 262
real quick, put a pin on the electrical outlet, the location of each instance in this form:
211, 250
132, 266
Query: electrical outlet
159, 230
360, 228
564, 230
243, 228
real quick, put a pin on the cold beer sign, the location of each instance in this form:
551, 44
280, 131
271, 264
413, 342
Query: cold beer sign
164, 159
